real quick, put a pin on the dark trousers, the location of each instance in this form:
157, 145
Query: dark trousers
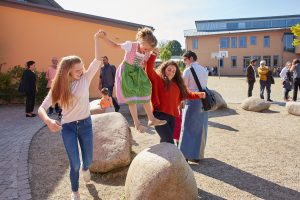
265, 85
116, 105
30, 100
286, 93
250, 88
165, 132
296, 88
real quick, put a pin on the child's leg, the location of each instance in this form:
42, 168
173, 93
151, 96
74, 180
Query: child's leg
152, 120
134, 115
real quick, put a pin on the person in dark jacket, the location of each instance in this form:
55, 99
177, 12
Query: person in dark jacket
29, 85
251, 76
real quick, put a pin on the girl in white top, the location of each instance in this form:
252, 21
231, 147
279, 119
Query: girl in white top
70, 89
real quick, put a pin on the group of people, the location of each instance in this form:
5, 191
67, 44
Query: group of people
290, 76
160, 91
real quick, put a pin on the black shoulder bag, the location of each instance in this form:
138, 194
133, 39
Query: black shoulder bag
210, 101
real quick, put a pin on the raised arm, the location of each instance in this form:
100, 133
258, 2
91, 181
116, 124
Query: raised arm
108, 41
150, 68
94, 66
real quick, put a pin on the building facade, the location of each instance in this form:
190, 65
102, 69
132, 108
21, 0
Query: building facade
39, 30
267, 38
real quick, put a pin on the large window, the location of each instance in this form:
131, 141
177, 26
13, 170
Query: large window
221, 62
195, 43
233, 42
246, 62
287, 42
266, 41
242, 42
253, 40
268, 60
275, 61
233, 61
224, 42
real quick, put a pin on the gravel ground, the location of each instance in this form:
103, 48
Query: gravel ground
248, 155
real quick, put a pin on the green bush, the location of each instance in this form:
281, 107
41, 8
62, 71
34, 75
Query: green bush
9, 83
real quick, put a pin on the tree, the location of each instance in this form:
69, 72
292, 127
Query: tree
296, 31
165, 54
175, 47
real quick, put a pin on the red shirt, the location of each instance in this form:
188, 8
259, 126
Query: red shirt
162, 99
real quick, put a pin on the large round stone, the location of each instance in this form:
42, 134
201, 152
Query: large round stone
160, 172
255, 104
220, 102
112, 142
293, 108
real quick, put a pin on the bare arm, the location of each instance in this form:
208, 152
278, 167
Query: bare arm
52, 124
108, 41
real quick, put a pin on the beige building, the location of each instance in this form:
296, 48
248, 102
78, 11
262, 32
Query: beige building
267, 38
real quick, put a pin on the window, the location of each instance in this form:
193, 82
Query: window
242, 42
221, 62
253, 40
233, 42
233, 61
266, 41
268, 60
287, 41
195, 43
246, 62
232, 26
275, 61
224, 42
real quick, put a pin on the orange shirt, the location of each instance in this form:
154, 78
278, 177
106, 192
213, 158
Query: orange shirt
106, 102
162, 99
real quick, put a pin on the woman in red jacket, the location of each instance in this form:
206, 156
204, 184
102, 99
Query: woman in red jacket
168, 90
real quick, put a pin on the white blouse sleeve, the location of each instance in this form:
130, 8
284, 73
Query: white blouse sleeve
47, 101
126, 46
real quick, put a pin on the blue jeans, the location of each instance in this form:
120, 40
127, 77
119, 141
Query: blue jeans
73, 132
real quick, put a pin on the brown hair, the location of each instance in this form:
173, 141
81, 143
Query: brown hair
295, 61
60, 89
177, 78
146, 34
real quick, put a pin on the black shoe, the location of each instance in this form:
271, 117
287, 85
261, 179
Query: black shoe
270, 100
32, 115
261, 97
117, 109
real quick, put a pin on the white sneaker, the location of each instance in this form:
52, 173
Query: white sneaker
86, 175
75, 196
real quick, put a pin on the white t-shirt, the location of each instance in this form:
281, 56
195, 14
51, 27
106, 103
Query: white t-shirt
189, 80
80, 109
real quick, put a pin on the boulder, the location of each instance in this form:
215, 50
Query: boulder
95, 107
160, 172
293, 108
112, 142
255, 104
220, 102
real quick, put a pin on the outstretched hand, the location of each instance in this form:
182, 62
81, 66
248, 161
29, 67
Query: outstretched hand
155, 52
100, 34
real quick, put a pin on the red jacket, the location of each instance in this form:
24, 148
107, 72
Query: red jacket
162, 99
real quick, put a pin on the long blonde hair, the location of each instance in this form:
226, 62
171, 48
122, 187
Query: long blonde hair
60, 89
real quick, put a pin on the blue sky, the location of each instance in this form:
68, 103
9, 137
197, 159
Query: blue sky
171, 17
